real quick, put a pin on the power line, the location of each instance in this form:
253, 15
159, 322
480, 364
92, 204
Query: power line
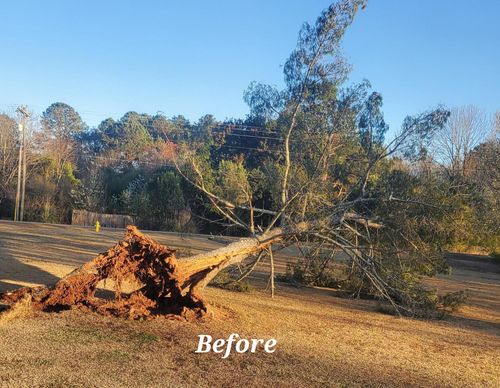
108, 158
246, 128
253, 136
249, 148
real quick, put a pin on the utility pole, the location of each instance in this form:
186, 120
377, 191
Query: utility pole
23, 185
21, 167
19, 163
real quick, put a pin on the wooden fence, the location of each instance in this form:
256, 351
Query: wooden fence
86, 218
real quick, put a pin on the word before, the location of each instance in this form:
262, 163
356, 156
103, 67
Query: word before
242, 345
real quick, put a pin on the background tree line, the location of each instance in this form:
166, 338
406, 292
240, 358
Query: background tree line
127, 166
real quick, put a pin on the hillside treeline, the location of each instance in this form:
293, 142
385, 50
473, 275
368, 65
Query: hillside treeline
128, 166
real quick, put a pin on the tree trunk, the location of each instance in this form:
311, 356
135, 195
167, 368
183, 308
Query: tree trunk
164, 285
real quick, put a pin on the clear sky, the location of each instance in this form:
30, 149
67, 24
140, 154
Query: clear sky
195, 57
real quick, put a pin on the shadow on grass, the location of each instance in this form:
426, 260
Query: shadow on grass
15, 274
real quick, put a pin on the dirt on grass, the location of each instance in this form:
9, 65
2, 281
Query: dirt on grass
323, 340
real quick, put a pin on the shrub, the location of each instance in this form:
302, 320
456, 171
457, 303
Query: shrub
495, 257
417, 300
311, 273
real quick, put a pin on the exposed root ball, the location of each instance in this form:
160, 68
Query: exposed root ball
162, 288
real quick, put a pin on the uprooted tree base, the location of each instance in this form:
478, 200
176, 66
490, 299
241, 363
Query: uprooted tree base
165, 286
136, 259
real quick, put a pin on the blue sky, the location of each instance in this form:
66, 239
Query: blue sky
108, 57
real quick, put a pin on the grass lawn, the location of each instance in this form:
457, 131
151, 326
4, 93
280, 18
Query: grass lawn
323, 340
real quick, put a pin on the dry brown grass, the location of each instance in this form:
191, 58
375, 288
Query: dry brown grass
322, 341
22, 309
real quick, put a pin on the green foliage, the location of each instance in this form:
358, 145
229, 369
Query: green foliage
237, 183
495, 257
62, 120
233, 182
165, 198
130, 135
372, 127
352, 282
156, 202
115, 181
312, 273
50, 192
